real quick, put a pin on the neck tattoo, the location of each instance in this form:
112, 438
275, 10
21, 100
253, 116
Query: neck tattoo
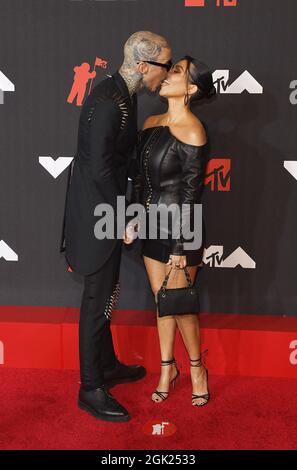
133, 80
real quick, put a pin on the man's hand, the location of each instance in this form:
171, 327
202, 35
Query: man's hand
177, 261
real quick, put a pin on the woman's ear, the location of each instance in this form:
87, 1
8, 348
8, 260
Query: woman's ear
192, 89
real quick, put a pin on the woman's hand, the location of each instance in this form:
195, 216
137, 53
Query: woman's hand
130, 232
177, 261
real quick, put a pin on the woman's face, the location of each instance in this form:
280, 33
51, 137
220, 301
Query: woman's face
176, 83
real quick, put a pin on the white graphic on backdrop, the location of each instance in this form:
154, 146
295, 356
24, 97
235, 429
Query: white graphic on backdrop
213, 256
5, 85
55, 167
7, 253
291, 167
245, 82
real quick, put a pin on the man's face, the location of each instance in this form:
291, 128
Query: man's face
153, 75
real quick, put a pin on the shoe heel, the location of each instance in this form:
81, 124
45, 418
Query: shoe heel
174, 381
164, 395
205, 396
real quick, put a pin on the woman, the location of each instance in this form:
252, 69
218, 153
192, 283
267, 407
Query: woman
172, 158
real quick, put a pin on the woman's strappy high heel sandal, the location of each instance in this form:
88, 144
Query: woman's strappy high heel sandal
164, 395
205, 396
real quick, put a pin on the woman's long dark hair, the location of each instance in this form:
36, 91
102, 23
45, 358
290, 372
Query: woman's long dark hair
199, 74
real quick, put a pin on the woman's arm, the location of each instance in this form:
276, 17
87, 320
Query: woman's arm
193, 163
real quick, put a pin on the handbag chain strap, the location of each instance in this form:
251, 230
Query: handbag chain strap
163, 287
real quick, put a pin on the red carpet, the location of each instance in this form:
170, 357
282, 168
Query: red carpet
39, 412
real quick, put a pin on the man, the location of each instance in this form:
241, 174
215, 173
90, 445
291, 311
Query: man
106, 138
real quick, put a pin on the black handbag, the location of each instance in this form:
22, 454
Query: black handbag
178, 301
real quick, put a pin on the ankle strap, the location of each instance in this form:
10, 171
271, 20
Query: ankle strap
201, 360
168, 363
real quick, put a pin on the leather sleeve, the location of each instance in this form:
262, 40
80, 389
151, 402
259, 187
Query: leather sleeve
104, 129
193, 162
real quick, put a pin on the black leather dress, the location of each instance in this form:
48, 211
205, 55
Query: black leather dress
169, 171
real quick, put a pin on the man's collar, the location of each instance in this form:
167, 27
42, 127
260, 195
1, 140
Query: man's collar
122, 85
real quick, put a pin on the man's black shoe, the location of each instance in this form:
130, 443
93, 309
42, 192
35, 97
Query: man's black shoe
101, 404
122, 374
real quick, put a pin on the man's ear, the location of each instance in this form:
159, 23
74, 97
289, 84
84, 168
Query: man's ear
142, 67
192, 89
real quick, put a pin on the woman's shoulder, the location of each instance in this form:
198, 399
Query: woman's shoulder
191, 132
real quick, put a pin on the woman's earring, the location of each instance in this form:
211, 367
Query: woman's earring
186, 99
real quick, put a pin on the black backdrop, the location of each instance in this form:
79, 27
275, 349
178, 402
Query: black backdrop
41, 41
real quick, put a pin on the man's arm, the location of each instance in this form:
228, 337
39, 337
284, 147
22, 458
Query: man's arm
104, 129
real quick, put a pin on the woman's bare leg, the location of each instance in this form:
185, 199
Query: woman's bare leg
166, 325
188, 326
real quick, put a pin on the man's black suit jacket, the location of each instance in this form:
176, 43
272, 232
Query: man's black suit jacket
107, 135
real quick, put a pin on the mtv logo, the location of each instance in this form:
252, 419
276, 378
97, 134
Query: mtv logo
201, 3
194, 3
7, 253
245, 81
55, 167
213, 256
218, 174
291, 167
5, 85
